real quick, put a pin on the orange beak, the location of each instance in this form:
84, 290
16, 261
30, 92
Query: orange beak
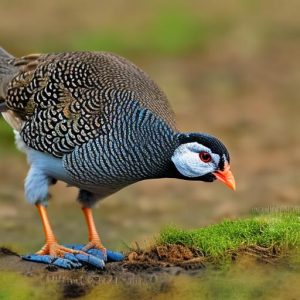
226, 177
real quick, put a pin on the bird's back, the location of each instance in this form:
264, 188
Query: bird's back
64, 100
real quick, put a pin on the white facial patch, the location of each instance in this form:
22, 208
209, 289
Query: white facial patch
187, 161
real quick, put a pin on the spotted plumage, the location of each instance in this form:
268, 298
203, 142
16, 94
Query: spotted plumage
67, 99
96, 121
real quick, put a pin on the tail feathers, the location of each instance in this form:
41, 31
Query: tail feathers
5, 55
7, 72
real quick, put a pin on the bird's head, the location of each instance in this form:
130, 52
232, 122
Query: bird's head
201, 157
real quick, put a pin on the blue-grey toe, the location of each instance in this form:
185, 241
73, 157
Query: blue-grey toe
114, 256
91, 260
68, 262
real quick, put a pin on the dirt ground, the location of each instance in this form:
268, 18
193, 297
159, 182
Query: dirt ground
154, 266
143, 265
134, 270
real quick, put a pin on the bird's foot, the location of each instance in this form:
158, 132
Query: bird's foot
96, 245
56, 250
99, 251
64, 257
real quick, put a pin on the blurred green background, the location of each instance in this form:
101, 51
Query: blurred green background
230, 68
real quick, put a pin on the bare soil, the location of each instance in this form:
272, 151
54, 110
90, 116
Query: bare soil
172, 260
139, 265
156, 266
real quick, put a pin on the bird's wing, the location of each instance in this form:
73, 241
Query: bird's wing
64, 100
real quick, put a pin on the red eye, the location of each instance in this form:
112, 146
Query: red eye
205, 157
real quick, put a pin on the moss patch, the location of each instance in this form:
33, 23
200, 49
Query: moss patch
279, 232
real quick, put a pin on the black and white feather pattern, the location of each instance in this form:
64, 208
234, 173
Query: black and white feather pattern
138, 147
105, 118
65, 99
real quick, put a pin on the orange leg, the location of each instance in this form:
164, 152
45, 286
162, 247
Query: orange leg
94, 239
51, 247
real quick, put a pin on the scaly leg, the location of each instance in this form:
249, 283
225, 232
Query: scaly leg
52, 247
95, 246
94, 239
58, 255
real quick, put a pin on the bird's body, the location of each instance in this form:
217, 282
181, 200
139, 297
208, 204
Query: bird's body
97, 122
93, 112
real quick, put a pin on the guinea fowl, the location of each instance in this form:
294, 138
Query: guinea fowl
97, 122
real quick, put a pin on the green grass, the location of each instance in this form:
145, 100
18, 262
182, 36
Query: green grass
280, 230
